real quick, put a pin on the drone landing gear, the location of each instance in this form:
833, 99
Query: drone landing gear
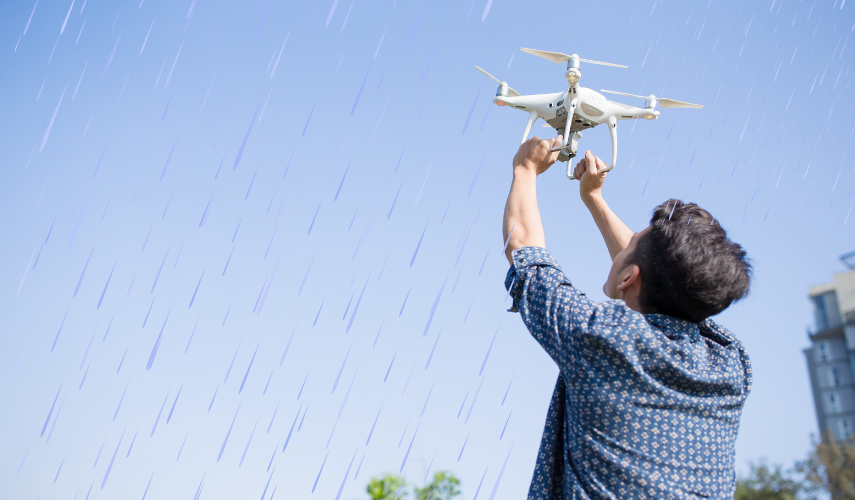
570, 150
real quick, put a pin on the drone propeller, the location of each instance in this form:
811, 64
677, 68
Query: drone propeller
624, 93
663, 103
558, 57
511, 92
671, 103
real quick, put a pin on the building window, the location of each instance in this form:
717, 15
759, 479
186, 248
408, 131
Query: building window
822, 350
819, 313
846, 428
826, 313
833, 403
834, 376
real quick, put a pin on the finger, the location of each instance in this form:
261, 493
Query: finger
583, 167
591, 163
601, 164
589, 159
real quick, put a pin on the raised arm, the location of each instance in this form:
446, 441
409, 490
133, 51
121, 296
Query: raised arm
521, 211
615, 233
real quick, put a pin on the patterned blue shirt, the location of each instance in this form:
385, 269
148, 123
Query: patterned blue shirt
646, 405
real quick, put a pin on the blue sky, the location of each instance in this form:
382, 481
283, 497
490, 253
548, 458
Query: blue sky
259, 177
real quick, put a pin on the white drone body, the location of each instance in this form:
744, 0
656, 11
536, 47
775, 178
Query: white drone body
581, 107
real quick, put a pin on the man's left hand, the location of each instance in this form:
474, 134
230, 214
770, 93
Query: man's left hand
534, 155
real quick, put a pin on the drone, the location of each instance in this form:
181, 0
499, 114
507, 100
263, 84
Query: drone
582, 108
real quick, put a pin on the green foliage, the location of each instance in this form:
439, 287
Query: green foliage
386, 487
829, 469
767, 482
444, 486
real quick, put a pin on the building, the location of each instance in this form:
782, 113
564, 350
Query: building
831, 356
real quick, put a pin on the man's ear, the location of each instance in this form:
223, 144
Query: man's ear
630, 276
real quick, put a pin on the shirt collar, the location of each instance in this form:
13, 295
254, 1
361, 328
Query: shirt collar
674, 327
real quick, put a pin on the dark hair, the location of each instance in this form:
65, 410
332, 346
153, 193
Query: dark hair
689, 268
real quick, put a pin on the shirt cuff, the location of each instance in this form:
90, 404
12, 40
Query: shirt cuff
523, 259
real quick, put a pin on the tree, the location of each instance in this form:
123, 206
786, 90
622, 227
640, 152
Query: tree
387, 487
444, 486
830, 468
767, 482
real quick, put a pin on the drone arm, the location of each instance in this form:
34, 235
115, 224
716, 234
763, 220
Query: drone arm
612, 122
532, 117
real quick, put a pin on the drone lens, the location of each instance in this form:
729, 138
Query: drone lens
578, 121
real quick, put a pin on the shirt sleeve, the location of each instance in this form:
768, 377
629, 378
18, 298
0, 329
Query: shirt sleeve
550, 306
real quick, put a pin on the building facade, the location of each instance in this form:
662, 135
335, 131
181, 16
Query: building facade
831, 356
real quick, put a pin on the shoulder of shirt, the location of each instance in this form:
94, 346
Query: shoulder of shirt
613, 316
721, 335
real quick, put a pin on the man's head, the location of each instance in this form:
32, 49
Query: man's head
682, 265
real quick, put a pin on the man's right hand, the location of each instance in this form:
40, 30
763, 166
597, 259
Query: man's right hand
590, 182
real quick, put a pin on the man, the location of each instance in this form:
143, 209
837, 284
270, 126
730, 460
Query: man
650, 390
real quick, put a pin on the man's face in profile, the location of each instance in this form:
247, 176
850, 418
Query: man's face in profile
619, 272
